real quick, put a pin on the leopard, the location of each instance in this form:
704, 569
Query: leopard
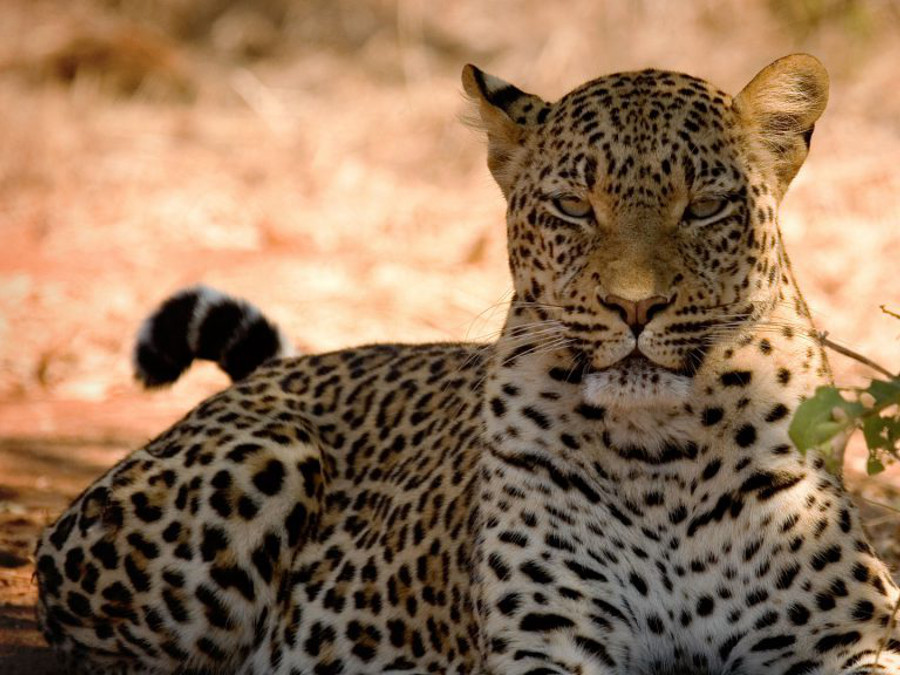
608, 488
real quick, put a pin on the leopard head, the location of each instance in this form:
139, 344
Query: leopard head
642, 217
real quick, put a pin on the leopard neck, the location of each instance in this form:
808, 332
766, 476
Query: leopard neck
534, 400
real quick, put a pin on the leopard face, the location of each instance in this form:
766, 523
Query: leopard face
642, 228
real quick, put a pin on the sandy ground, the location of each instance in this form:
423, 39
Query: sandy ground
333, 184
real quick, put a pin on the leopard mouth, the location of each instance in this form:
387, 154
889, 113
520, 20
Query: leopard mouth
635, 381
636, 362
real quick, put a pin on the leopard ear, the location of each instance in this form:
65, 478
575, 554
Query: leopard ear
780, 106
505, 113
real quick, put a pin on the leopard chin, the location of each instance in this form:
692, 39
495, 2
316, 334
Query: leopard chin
636, 382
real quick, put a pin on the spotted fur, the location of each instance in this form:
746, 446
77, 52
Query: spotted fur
607, 489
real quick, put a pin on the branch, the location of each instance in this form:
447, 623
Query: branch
884, 309
823, 338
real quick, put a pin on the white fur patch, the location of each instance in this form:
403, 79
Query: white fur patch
636, 384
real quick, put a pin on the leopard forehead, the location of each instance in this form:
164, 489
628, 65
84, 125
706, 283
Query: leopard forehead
640, 112
646, 140
639, 147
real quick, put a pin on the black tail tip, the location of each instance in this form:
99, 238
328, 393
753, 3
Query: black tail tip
154, 370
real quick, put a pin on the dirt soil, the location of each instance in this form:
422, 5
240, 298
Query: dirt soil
309, 155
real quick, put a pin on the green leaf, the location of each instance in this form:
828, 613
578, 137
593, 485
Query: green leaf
876, 433
813, 423
874, 465
885, 392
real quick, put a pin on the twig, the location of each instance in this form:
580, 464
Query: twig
261, 100
823, 338
881, 505
884, 309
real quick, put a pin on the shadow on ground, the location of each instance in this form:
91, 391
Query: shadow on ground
39, 479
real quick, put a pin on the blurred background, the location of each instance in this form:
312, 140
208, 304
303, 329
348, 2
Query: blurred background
308, 155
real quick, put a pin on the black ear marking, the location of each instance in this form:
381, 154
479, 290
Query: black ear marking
505, 97
502, 96
807, 136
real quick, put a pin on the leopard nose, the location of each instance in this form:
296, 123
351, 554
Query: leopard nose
636, 313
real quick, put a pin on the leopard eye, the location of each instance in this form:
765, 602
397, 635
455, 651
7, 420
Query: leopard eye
573, 207
707, 209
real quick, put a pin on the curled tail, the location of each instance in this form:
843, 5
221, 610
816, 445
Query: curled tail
203, 323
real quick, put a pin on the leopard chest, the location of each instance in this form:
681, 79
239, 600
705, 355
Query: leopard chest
657, 564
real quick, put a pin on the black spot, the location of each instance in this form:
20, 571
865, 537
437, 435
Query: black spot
835, 640
639, 584
247, 508
678, 514
773, 643
241, 452
211, 649
767, 484
595, 649
78, 604
73, 564
62, 530
269, 480
726, 647
825, 557
736, 378
786, 577
221, 480
798, 614
143, 509
712, 416
570, 375
536, 416
863, 611
536, 573
585, 573
745, 436
778, 412
540, 622
498, 407
171, 532
118, 593
139, 578
711, 469
766, 620
705, 606
500, 568
845, 521
216, 611
147, 548
509, 603
214, 540
295, 523
756, 596
655, 624
590, 412
234, 577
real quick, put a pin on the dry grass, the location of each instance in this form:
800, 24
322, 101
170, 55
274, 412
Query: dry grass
308, 155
